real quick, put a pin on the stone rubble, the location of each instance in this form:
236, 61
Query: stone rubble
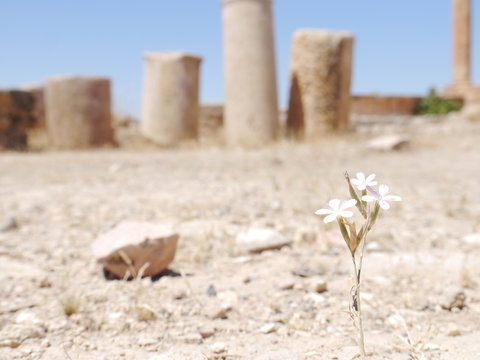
256, 240
125, 250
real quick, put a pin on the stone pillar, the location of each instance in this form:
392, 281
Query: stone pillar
251, 105
461, 41
320, 76
170, 98
461, 82
78, 113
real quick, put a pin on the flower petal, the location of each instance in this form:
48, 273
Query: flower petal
384, 205
348, 204
392, 198
383, 189
323, 211
330, 218
334, 204
346, 213
368, 198
373, 192
361, 176
370, 178
361, 186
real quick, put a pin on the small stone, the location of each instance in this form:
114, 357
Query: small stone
395, 321
211, 291
242, 259
286, 284
216, 312
27, 317
453, 330
115, 315
219, 347
318, 285
268, 328
147, 341
114, 168
310, 269
10, 224
308, 237
471, 239
126, 249
11, 343
206, 332
228, 299
276, 205
374, 246
389, 142
453, 298
180, 294
316, 298
256, 240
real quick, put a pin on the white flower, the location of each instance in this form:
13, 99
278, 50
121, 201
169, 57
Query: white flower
337, 210
361, 182
382, 196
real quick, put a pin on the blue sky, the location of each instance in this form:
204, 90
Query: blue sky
402, 47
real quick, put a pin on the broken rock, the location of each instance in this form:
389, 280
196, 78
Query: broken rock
133, 247
256, 240
389, 142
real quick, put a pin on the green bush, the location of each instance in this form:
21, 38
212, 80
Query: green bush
434, 104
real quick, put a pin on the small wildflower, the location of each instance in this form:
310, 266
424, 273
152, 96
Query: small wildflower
337, 210
361, 182
382, 196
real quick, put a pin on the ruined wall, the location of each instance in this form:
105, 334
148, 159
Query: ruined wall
384, 105
16, 117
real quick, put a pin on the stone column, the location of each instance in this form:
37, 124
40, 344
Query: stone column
461, 82
170, 98
78, 112
251, 105
320, 75
461, 41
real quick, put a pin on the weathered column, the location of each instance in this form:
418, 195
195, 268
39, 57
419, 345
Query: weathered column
251, 105
78, 113
461, 41
170, 98
320, 75
461, 16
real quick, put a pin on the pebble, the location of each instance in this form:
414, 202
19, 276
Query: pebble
206, 332
471, 239
268, 328
285, 284
180, 294
389, 142
27, 317
10, 224
318, 285
216, 312
211, 291
395, 321
228, 299
256, 240
219, 347
453, 298
125, 249
453, 330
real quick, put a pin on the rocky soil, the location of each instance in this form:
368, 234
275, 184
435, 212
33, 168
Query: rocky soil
421, 295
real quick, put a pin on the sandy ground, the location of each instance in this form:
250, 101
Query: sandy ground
419, 259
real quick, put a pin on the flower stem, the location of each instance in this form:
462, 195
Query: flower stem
357, 304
